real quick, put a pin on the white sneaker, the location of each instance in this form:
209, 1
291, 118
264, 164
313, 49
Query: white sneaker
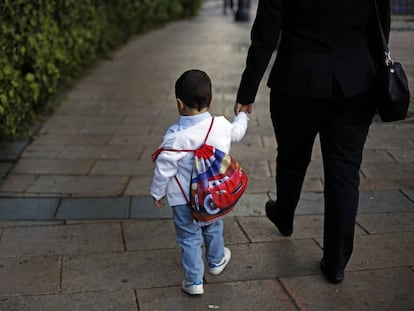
192, 288
217, 268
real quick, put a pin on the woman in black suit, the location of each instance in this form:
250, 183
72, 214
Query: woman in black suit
322, 82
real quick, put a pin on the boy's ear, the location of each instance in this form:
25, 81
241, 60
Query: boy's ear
180, 104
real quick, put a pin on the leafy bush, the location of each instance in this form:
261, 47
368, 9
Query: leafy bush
46, 43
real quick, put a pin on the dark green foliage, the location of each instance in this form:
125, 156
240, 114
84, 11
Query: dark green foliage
46, 43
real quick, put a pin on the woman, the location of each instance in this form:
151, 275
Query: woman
322, 82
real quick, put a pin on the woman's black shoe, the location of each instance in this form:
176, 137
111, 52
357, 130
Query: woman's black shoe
334, 277
271, 212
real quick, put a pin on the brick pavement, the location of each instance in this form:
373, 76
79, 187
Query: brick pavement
78, 230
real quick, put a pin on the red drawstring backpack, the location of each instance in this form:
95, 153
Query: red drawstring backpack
217, 182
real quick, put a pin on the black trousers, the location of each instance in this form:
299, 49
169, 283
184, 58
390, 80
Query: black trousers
342, 125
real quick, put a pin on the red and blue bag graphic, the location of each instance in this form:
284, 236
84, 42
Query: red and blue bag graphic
217, 182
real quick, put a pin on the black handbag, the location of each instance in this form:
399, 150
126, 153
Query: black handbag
395, 94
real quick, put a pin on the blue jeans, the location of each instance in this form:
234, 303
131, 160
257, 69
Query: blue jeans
190, 238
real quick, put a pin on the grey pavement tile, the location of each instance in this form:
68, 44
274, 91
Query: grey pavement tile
115, 128
62, 124
59, 240
138, 186
233, 232
100, 152
260, 184
269, 140
312, 184
142, 269
117, 271
310, 203
251, 204
72, 139
388, 170
63, 130
42, 151
90, 301
79, 185
391, 130
94, 208
28, 223
386, 183
255, 169
386, 222
160, 234
123, 167
5, 168
16, 183
27, 195
270, 260
409, 194
29, 275
403, 155
251, 153
382, 251
250, 140
137, 116
384, 201
369, 202
383, 141
136, 140
143, 207
266, 295
116, 97
149, 234
378, 155
59, 120
315, 169
260, 229
28, 208
13, 150
385, 289
53, 166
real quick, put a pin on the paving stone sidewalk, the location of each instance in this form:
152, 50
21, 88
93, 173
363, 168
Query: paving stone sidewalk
78, 230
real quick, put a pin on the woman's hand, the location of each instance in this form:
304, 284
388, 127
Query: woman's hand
242, 108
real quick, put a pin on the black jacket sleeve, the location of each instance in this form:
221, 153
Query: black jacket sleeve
264, 37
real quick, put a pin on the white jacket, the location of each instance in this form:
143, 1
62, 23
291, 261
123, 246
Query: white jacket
171, 163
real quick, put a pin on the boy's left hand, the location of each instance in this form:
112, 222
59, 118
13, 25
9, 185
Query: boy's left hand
159, 203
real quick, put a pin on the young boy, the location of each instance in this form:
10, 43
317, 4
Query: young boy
194, 98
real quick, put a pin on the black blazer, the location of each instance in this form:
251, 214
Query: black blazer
320, 41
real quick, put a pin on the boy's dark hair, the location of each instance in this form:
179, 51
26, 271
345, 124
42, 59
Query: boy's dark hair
193, 88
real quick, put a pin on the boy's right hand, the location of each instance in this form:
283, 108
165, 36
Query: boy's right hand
159, 203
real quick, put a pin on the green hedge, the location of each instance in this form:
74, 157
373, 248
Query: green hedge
46, 43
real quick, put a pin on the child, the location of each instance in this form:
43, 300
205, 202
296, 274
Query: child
194, 98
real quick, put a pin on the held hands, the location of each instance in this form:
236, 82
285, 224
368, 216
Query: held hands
242, 108
159, 203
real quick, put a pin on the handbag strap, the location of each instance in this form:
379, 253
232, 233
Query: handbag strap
387, 52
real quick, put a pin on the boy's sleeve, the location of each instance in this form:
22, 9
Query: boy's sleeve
239, 128
165, 169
